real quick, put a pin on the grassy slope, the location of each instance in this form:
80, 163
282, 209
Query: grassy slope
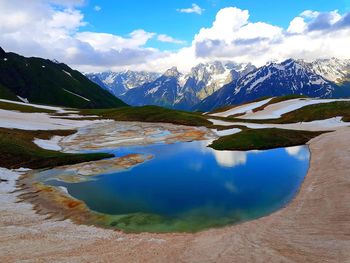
152, 114
18, 150
43, 81
5, 93
262, 139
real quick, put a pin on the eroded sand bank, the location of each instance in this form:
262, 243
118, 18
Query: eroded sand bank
313, 228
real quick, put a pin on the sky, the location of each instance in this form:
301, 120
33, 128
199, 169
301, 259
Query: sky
100, 35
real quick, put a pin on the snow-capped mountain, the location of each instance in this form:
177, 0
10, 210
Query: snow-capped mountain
183, 91
163, 91
118, 83
216, 84
273, 79
335, 70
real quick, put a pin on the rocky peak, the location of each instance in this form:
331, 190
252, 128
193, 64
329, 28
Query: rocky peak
172, 72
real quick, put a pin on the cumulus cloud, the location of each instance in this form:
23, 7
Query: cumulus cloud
169, 39
196, 9
310, 35
105, 42
55, 29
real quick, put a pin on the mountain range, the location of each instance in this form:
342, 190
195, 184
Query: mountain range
174, 89
206, 87
217, 84
118, 83
49, 82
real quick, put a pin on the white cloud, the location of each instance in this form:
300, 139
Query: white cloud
97, 8
55, 29
51, 31
297, 25
196, 9
169, 39
105, 42
233, 37
309, 14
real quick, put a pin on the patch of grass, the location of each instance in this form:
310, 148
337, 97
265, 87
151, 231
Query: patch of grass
151, 114
18, 150
279, 99
22, 108
262, 139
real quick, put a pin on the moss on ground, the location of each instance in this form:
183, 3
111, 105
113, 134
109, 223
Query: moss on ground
18, 150
263, 139
151, 114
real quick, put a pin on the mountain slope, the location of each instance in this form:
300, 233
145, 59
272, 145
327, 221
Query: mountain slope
274, 79
47, 82
162, 92
179, 91
335, 70
118, 83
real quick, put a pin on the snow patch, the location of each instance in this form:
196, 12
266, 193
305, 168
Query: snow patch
51, 144
25, 100
57, 109
40, 121
67, 73
276, 110
319, 125
242, 109
152, 91
76, 95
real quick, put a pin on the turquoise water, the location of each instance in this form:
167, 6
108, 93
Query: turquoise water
189, 187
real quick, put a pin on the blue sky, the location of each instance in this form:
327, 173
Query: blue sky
122, 17
99, 35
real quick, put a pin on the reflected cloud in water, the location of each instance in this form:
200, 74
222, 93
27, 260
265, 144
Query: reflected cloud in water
299, 152
230, 158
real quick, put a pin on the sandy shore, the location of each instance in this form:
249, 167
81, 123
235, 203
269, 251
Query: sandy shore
313, 228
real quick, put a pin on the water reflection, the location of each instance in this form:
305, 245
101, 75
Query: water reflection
299, 152
188, 186
230, 158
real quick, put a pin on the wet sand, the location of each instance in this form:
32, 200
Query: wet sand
314, 227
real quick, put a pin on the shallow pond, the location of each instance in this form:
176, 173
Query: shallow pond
190, 187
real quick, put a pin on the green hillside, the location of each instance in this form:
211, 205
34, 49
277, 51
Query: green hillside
46, 82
